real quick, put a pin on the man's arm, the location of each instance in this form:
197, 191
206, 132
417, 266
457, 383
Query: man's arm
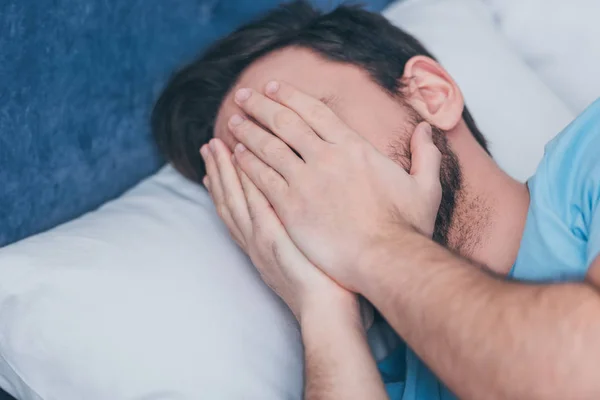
338, 361
341, 200
483, 336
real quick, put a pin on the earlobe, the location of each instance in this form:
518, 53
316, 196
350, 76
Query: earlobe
434, 95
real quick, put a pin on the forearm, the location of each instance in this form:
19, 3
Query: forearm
338, 361
486, 337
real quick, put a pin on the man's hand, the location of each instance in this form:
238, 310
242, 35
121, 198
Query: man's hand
341, 198
255, 227
338, 361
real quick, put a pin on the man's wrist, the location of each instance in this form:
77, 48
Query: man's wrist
338, 360
386, 251
335, 306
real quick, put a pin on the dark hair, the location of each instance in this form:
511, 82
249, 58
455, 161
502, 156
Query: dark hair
184, 115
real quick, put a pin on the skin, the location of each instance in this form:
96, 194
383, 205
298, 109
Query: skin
364, 222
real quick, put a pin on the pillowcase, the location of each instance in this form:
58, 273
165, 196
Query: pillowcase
149, 298
559, 40
145, 298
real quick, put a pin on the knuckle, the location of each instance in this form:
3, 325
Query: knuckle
242, 129
269, 145
285, 92
318, 112
283, 118
270, 179
273, 150
251, 102
264, 176
228, 199
222, 210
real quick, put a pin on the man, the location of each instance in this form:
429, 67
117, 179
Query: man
322, 112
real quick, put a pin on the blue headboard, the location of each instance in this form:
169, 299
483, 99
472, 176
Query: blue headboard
78, 80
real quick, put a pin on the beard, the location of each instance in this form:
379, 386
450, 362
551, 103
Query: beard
451, 181
450, 178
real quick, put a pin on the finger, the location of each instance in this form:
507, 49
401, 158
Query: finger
234, 232
266, 179
216, 191
425, 157
269, 148
314, 112
216, 194
264, 217
259, 207
233, 193
237, 236
269, 230
280, 120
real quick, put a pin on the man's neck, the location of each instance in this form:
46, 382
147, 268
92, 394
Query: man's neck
491, 212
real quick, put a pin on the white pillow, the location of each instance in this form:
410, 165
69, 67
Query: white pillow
145, 298
148, 297
559, 39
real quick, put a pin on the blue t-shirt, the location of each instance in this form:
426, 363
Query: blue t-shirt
560, 241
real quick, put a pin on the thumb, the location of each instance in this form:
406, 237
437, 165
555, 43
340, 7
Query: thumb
425, 156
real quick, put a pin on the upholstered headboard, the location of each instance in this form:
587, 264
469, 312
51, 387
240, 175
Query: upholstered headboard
78, 81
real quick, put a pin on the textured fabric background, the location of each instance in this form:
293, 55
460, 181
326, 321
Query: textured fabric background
78, 79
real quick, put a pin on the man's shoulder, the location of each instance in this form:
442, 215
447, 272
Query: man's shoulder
565, 199
579, 138
567, 182
570, 169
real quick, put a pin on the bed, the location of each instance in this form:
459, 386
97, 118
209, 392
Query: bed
117, 280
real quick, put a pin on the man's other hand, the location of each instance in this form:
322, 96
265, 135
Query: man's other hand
255, 227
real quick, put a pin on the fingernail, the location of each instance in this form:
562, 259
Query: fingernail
272, 87
242, 95
203, 151
212, 144
205, 181
239, 148
235, 120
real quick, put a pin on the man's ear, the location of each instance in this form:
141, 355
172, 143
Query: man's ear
430, 90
